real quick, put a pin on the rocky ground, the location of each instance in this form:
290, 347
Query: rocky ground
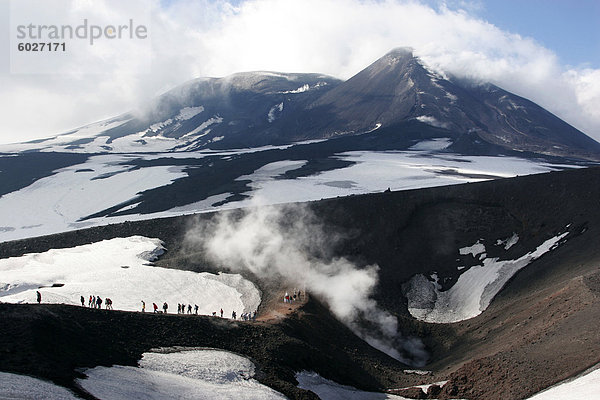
539, 330
54, 341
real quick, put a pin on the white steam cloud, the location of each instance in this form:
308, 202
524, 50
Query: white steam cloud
289, 244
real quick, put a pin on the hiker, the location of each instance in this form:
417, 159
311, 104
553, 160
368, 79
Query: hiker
94, 302
233, 314
144, 306
196, 309
90, 302
39, 297
178, 308
214, 314
155, 307
109, 304
221, 313
82, 301
165, 307
189, 308
99, 302
254, 316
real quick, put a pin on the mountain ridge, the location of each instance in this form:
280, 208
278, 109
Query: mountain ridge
251, 109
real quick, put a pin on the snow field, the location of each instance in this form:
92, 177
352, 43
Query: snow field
584, 387
118, 269
58, 202
474, 290
14, 386
376, 171
191, 374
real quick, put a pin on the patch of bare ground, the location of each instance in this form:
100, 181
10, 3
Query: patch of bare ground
276, 309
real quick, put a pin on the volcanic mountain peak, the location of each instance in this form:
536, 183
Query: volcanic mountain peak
398, 93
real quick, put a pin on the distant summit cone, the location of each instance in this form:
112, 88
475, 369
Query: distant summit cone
383, 93
400, 89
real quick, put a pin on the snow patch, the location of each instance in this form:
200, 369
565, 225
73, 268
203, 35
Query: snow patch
188, 113
14, 386
475, 250
204, 125
510, 242
272, 170
301, 89
192, 374
305, 88
272, 115
474, 289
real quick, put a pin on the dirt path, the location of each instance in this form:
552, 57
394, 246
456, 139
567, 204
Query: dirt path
276, 309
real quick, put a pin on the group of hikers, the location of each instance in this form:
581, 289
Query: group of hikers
187, 308
96, 302
93, 301
165, 307
181, 308
287, 298
248, 316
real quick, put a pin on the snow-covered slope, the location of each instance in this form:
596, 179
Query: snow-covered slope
119, 269
114, 188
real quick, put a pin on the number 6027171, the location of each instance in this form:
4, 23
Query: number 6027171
42, 46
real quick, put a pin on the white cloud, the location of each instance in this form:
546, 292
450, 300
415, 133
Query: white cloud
336, 37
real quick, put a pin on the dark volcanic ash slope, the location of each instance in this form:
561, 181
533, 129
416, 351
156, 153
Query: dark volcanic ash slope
539, 329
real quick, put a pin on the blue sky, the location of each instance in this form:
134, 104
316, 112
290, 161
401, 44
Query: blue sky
569, 27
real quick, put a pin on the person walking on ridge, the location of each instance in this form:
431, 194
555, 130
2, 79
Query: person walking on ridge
39, 297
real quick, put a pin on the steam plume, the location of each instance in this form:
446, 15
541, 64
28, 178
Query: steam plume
289, 243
